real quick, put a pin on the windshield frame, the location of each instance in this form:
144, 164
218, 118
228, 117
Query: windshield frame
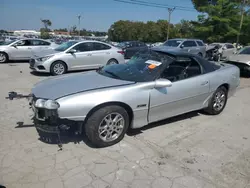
131, 70
66, 48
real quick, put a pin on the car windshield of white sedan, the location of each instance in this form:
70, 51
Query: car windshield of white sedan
65, 46
245, 51
142, 67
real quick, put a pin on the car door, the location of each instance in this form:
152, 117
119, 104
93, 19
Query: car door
131, 49
190, 46
21, 50
82, 58
101, 54
40, 48
228, 49
189, 90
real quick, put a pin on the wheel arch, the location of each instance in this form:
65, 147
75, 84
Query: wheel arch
226, 85
5, 53
124, 105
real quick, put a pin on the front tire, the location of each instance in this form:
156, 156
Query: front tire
107, 126
58, 68
3, 57
218, 101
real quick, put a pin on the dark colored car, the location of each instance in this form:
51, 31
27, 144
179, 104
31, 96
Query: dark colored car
131, 47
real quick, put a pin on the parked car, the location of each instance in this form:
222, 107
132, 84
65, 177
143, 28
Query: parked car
154, 85
22, 49
130, 48
225, 50
193, 46
78, 55
241, 59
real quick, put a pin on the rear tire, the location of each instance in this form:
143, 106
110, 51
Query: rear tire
112, 62
103, 130
4, 58
58, 68
218, 101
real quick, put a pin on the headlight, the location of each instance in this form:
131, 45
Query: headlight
51, 105
40, 103
44, 58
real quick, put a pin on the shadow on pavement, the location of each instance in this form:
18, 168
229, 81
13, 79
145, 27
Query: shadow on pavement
70, 136
133, 132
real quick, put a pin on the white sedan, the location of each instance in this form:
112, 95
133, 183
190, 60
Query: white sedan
78, 55
23, 49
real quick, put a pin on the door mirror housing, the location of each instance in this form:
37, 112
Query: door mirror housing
224, 48
14, 45
182, 46
160, 83
72, 51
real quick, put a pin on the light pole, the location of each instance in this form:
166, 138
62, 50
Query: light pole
170, 11
79, 22
241, 21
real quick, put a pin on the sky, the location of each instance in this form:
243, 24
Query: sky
96, 14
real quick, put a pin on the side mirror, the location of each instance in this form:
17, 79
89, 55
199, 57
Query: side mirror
224, 48
182, 46
14, 45
162, 83
72, 51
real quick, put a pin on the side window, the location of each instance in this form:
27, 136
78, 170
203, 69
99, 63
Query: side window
229, 46
24, 43
84, 47
200, 43
189, 44
100, 46
181, 69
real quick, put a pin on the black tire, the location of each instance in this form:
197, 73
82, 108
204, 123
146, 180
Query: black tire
112, 62
60, 64
4, 56
211, 109
96, 118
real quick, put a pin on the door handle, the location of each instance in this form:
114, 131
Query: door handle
89, 55
108, 53
189, 50
204, 83
29, 48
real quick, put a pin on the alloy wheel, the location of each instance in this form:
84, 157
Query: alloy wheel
111, 127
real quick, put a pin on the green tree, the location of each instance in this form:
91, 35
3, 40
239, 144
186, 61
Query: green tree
45, 30
221, 21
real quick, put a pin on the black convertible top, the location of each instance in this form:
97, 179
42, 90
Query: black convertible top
208, 66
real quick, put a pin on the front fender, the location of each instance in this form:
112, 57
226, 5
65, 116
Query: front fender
77, 106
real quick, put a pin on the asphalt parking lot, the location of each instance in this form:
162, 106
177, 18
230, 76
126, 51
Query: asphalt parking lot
188, 151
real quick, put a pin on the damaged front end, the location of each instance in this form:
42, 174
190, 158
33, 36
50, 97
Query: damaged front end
46, 118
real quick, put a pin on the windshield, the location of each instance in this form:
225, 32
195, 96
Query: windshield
122, 44
245, 51
172, 43
143, 67
7, 42
65, 46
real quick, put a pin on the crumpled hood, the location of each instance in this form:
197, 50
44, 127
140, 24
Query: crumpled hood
60, 86
239, 58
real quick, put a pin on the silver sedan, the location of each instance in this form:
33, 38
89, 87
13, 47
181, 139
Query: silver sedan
23, 49
78, 55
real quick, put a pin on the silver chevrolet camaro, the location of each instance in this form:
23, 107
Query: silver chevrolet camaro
153, 85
